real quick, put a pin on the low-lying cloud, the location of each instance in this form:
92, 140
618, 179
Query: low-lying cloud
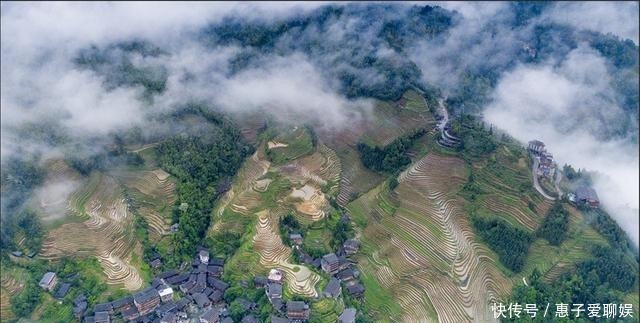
567, 106
567, 100
617, 17
41, 83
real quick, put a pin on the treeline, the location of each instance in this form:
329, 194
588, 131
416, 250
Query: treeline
476, 140
604, 279
610, 230
510, 243
202, 168
287, 225
555, 225
391, 157
351, 58
19, 178
114, 63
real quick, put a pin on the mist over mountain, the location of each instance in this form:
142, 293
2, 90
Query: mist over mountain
75, 74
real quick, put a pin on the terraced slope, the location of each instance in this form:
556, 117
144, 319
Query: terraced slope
107, 234
434, 268
51, 199
257, 195
9, 286
385, 123
153, 192
506, 189
274, 254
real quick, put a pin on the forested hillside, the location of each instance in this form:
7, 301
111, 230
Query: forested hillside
317, 160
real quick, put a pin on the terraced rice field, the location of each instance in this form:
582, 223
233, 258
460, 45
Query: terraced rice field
107, 234
289, 145
50, 200
313, 201
9, 286
274, 254
355, 179
507, 191
246, 199
434, 266
153, 192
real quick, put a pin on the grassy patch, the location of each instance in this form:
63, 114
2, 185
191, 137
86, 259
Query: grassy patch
299, 143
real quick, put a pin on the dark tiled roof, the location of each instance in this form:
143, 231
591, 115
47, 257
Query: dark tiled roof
277, 303
122, 302
585, 192
207, 291
249, 319
216, 261
351, 243
102, 316
62, 290
177, 279
130, 312
333, 288
103, 307
348, 315
216, 296
217, 283
330, 258
145, 296
202, 300
345, 274
216, 270
80, 299
182, 303
355, 289
167, 274
166, 307
156, 282
297, 306
210, 315
275, 289
260, 280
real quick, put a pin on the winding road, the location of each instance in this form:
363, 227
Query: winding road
536, 184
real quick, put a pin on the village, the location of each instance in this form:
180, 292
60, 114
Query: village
544, 168
197, 295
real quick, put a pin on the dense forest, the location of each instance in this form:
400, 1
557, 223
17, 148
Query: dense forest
390, 158
601, 280
352, 58
19, 178
510, 243
203, 169
115, 64
476, 139
555, 225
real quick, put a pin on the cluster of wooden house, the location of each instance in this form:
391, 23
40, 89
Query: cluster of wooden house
336, 265
49, 282
546, 165
296, 311
342, 271
584, 195
202, 300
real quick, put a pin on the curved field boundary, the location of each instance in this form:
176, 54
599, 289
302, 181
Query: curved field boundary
274, 254
445, 275
107, 235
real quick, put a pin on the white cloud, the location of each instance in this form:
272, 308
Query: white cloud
617, 17
566, 107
